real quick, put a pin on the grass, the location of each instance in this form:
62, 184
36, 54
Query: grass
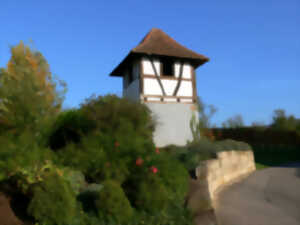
260, 166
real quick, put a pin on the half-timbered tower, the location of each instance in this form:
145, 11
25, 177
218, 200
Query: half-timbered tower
161, 73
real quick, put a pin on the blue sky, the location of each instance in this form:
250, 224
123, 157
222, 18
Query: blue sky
254, 46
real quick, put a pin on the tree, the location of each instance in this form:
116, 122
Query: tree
201, 124
283, 122
234, 122
28, 92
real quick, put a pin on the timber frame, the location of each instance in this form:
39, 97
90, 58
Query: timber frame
178, 99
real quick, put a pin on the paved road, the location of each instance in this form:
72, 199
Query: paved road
267, 197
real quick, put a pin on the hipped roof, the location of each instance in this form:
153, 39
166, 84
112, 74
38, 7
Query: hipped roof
158, 43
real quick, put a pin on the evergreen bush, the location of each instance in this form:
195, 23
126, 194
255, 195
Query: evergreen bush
109, 112
53, 202
112, 203
69, 127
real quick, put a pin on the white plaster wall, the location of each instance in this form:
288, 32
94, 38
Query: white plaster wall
151, 87
173, 123
169, 86
186, 72
185, 89
148, 67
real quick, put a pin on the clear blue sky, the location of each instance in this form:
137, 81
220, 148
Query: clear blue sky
254, 46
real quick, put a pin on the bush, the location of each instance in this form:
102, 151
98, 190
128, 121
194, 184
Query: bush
174, 176
22, 160
229, 145
97, 157
112, 203
110, 112
87, 197
151, 194
203, 149
53, 202
69, 127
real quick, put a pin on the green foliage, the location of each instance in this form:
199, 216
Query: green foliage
112, 203
87, 197
173, 215
28, 93
69, 127
75, 178
265, 136
234, 122
98, 169
23, 160
174, 176
97, 157
204, 149
283, 122
151, 194
229, 145
53, 202
199, 125
110, 112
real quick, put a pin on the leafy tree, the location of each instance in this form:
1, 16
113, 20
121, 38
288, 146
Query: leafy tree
206, 112
234, 122
201, 124
283, 122
28, 94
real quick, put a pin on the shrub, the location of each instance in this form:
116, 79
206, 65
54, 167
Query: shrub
151, 194
97, 157
228, 145
109, 112
203, 149
53, 202
75, 178
174, 176
69, 127
22, 159
88, 196
112, 203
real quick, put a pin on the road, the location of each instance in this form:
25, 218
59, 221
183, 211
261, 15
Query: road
267, 197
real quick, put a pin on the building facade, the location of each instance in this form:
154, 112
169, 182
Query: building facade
160, 73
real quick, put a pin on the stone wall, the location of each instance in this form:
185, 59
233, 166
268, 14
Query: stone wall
227, 168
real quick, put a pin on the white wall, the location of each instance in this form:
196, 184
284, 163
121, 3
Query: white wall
186, 71
151, 87
173, 123
148, 69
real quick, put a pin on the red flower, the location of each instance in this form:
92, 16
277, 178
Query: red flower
139, 161
117, 144
157, 151
153, 169
107, 164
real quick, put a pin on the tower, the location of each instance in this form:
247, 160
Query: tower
161, 73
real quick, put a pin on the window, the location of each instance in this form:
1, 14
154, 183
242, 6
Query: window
167, 67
